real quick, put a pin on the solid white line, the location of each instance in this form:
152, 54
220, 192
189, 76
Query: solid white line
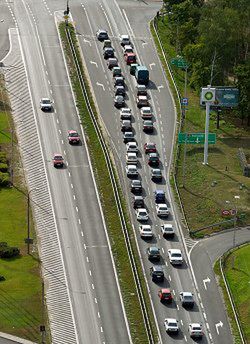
79, 221
90, 272
81, 233
76, 209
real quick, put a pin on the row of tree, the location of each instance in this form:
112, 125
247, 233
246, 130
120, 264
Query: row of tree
214, 37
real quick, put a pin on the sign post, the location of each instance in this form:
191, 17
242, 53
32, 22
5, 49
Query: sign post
208, 96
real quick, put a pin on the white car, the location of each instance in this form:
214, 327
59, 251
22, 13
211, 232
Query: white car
162, 209
145, 231
171, 325
45, 104
124, 40
131, 158
125, 113
141, 214
132, 147
146, 112
175, 256
127, 49
167, 230
131, 170
195, 330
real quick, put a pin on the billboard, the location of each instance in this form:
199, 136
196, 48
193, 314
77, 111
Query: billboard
226, 97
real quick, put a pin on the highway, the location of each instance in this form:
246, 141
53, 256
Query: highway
84, 246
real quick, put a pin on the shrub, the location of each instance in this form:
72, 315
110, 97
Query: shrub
3, 244
9, 252
3, 157
2, 278
3, 167
4, 179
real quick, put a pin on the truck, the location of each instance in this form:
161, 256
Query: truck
142, 75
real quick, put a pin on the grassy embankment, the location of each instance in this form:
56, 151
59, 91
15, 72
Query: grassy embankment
119, 250
237, 272
20, 293
203, 202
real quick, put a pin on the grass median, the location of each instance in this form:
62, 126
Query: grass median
20, 292
126, 280
206, 190
236, 266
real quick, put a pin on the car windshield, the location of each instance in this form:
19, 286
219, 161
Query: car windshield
166, 294
154, 250
128, 134
176, 255
153, 158
57, 157
172, 324
73, 134
146, 111
143, 213
157, 172
126, 110
163, 208
147, 229
196, 329
46, 101
136, 182
188, 298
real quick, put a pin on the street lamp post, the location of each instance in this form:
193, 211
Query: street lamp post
29, 240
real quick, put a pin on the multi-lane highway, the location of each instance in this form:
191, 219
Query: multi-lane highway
92, 287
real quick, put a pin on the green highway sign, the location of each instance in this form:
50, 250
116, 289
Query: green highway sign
179, 62
196, 138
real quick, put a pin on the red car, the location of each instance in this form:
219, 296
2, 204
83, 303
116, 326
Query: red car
73, 136
58, 160
130, 58
165, 295
149, 147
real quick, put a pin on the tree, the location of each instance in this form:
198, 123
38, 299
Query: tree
242, 73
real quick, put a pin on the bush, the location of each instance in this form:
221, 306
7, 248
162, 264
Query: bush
3, 244
3, 157
2, 278
9, 252
3, 167
4, 179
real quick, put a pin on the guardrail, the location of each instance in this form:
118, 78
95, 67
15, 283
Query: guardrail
116, 192
229, 293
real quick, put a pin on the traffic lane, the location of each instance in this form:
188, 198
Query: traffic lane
210, 295
6, 22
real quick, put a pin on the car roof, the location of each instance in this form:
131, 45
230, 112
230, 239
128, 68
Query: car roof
171, 320
58, 154
158, 268
124, 36
142, 97
187, 293
159, 192
174, 250
154, 248
167, 225
153, 155
137, 198
162, 205
195, 325
145, 226
131, 166
145, 107
130, 54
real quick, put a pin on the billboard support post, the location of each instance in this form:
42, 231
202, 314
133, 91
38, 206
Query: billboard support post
206, 133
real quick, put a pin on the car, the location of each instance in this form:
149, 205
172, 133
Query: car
124, 40
165, 295
131, 171
162, 210
132, 68
175, 256
73, 137
138, 202
131, 158
156, 175
148, 126
149, 147
125, 113
153, 159
130, 58
136, 186
119, 90
195, 330
153, 253
112, 62
45, 104
128, 136
141, 90
167, 230
159, 196
58, 160
106, 43
119, 81
157, 273
171, 325
146, 231
108, 53
132, 147
102, 34
119, 101
127, 49
141, 214
126, 125
187, 299
142, 101
116, 71
146, 112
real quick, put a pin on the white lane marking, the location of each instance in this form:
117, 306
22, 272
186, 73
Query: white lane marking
174, 292
95, 300
87, 258
86, 41
210, 336
95, 63
57, 121
169, 277
98, 314
205, 281
205, 316
69, 174
185, 337
64, 152
151, 65
159, 88
67, 163
62, 142
71, 186
79, 221
60, 132
177, 307
74, 197
90, 272
51, 91
85, 247
76, 209
81, 233
144, 43
93, 287
163, 250
181, 322
220, 324
99, 84
101, 329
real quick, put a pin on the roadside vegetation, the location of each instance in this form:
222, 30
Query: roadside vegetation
206, 190
125, 276
20, 280
236, 267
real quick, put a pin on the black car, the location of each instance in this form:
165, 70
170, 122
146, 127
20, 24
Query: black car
119, 81
119, 101
156, 174
102, 35
136, 186
119, 90
138, 202
128, 136
157, 273
153, 253
108, 52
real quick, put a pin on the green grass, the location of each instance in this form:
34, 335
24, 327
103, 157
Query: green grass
201, 201
237, 271
20, 293
103, 181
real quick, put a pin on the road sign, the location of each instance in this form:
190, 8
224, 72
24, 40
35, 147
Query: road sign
184, 101
196, 138
179, 62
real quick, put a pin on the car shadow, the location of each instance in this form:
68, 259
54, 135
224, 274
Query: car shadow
176, 336
183, 266
150, 240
